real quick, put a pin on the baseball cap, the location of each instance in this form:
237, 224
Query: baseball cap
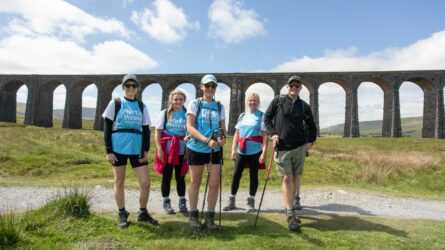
208, 78
130, 77
294, 79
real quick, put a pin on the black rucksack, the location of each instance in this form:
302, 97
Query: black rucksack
118, 104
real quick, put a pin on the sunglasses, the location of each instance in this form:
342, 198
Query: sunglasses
135, 86
210, 85
296, 85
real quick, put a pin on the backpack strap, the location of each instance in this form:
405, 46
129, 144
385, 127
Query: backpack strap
141, 106
117, 107
240, 117
165, 118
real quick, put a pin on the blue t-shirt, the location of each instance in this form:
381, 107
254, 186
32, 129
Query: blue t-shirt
175, 126
129, 117
207, 121
250, 124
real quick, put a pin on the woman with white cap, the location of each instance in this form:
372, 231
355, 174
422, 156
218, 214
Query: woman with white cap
205, 118
127, 137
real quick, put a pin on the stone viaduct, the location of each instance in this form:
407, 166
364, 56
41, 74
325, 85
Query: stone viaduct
41, 87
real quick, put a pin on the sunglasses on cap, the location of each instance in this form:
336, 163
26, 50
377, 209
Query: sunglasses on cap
131, 85
210, 85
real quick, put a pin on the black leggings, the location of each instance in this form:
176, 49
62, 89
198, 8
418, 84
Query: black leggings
167, 177
240, 162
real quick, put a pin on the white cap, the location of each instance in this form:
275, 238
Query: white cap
208, 78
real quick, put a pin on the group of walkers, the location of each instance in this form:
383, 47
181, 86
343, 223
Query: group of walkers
193, 139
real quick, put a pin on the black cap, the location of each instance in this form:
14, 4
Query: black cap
294, 79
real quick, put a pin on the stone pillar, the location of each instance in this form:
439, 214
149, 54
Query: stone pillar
8, 106
391, 126
237, 102
44, 109
165, 93
104, 94
440, 116
429, 114
314, 108
351, 115
72, 117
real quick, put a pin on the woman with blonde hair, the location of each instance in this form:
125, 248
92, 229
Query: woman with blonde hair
170, 149
249, 150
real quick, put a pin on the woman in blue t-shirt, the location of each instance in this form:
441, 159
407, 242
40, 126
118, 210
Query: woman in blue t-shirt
249, 149
127, 137
170, 147
205, 116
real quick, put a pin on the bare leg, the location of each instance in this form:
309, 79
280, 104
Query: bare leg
119, 180
296, 184
196, 178
212, 198
287, 191
144, 184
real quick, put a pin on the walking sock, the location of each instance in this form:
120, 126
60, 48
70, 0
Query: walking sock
143, 209
121, 210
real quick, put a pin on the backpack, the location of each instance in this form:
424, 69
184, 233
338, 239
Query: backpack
118, 104
199, 110
165, 115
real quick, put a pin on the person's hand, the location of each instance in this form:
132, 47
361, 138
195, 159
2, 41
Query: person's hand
222, 141
161, 155
111, 158
262, 158
275, 140
143, 158
309, 145
187, 138
233, 154
212, 144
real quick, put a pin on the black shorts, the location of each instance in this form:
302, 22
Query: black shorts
196, 158
134, 160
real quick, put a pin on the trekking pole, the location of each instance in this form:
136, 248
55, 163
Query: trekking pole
208, 176
222, 136
265, 183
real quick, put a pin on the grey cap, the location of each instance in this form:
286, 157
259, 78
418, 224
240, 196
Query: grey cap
130, 77
294, 79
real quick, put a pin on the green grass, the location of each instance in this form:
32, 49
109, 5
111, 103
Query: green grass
47, 228
62, 157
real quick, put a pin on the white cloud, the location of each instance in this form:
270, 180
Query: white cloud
56, 18
231, 23
424, 54
164, 22
47, 55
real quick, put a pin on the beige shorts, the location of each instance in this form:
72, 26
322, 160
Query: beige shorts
291, 162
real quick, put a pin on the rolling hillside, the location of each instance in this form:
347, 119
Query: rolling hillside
411, 126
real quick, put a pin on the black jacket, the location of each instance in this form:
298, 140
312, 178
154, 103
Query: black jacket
286, 121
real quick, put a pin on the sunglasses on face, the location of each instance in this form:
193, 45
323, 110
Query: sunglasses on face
134, 86
210, 85
296, 85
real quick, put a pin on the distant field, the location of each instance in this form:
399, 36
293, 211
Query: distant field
401, 166
411, 127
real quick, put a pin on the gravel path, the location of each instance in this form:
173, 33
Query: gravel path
314, 201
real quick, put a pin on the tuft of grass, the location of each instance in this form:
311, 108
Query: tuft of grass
10, 232
74, 203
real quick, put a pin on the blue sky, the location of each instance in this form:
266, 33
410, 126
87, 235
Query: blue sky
172, 36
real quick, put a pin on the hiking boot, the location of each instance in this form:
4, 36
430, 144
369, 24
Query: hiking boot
230, 204
292, 224
250, 205
194, 221
296, 217
167, 208
145, 217
122, 219
183, 205
297, 205
210, 222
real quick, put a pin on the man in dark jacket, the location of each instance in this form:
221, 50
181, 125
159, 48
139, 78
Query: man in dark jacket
290, 123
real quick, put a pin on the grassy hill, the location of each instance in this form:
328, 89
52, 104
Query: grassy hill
411, 127
87, 113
